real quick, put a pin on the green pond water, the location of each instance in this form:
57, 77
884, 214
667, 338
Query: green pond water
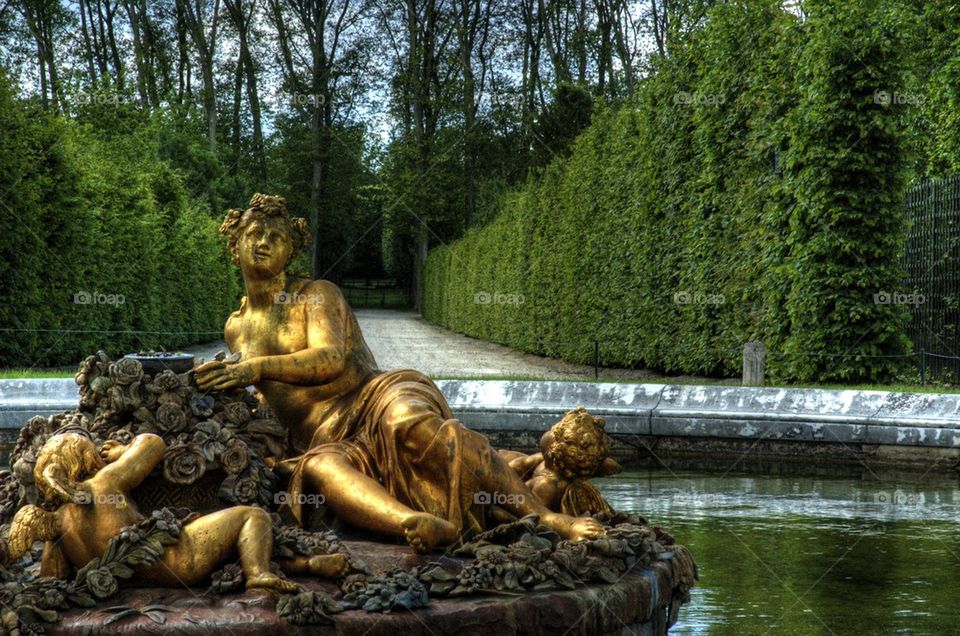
788, 554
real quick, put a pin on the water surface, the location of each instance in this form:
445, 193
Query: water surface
787, 554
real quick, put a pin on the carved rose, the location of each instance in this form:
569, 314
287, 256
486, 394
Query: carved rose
235, 457
201, 405
124, 397
122, 435
236, 413
307, 608
99, 385
102, 583
229, 579
245, 490
184, 464
54, 598
210, 446
171, 418
126, 371
170, 397
167, 380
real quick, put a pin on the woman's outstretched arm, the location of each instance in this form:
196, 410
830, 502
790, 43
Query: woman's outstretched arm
324, 324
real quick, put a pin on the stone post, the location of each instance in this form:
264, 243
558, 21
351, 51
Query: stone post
754, 361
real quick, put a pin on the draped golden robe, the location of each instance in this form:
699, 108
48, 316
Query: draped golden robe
373, 426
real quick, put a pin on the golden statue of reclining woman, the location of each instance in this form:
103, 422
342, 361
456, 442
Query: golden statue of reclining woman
381, 447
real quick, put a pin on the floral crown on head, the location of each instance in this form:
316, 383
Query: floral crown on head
264, 206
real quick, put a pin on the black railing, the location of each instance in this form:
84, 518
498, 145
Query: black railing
932, 263
374, 292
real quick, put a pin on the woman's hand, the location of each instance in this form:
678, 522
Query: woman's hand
218, 375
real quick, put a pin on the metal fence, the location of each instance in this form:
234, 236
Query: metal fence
374, 292
931, 260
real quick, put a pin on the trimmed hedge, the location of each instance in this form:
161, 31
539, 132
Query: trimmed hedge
87, 223
756, 177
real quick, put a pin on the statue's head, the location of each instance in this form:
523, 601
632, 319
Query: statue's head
264, 238
577, 445
63, 461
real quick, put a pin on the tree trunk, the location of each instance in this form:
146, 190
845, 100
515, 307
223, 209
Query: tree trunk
112, 41
465, 35
237, 98
139, 56
87, 47
419, 261
241, 21
206, 50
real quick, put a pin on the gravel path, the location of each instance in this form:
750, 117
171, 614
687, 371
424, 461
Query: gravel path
402, 339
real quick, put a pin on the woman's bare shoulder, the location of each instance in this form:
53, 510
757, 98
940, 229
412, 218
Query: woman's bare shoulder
232, 326
238, 314
319, 294
321, 286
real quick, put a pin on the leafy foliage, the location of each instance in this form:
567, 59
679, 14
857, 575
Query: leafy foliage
748, 193
100, 242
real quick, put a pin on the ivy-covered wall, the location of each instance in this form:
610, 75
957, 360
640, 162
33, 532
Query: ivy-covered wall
753, 191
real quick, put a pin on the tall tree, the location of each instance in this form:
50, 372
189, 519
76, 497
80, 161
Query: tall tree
241, 15
425, 79
139, 27
473, 19
43, 19
202, 21
311, 37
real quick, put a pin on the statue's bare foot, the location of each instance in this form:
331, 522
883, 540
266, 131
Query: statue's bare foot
273, 582
425, 531
574, 528
329, 565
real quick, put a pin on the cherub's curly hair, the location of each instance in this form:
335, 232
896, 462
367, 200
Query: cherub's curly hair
63, 461
62, 458
263, 206
577, 444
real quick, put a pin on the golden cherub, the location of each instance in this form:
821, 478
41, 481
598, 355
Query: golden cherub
571, 452
92, 492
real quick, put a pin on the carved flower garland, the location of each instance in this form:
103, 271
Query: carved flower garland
224, 433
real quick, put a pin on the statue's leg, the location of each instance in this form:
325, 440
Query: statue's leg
324, 565
418, 424
362, 501
206, 543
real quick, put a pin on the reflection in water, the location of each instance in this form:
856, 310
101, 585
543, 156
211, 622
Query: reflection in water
808, 555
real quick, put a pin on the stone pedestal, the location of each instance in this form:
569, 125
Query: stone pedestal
637, 604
